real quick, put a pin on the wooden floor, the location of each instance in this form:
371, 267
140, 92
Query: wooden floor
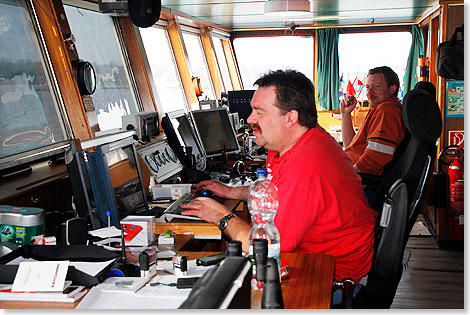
433, 278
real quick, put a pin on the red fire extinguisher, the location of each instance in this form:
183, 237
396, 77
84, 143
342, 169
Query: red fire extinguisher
423, 68
456, 197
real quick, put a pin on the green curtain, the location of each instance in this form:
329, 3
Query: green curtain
416, 50
327, 69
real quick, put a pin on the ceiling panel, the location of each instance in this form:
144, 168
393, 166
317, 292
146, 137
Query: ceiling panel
250, 14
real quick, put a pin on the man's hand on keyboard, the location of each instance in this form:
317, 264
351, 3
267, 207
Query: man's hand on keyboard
205, 208
223, 190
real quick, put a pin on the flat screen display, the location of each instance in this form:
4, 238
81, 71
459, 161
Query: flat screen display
240, 102
187, 136
216, 131
125, 178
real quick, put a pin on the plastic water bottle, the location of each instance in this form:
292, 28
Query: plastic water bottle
263, 203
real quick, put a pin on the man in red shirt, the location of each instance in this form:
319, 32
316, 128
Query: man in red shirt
382, 130
322, 208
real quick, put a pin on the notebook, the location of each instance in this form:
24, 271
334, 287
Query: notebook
69, 295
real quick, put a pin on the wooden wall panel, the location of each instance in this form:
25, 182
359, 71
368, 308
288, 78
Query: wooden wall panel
63, 69
454, 17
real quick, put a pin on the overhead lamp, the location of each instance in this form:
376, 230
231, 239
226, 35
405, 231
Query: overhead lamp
317, 18
286, 7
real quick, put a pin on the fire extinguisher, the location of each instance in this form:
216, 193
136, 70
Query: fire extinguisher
456, 197
423, 68
448, 189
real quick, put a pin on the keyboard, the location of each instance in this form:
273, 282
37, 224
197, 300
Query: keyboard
174, 210
175, 207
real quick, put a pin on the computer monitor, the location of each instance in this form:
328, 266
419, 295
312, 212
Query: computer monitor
187, 136
215, 131
82, 192
240, 102
110, 170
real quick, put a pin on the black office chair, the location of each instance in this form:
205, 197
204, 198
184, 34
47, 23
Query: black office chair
398, 200
371, 182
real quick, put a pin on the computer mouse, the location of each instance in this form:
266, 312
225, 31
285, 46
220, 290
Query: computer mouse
205, 193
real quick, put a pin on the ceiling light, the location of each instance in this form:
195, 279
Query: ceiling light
286, 7
317, 18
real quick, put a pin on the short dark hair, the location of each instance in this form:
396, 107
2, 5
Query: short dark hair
390, 76
294, 91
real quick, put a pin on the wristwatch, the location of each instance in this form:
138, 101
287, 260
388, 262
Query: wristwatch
224, 221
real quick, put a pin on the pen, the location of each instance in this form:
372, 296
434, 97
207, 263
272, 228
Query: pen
123, 246
108, 214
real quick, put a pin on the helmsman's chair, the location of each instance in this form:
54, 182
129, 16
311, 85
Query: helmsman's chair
399, 198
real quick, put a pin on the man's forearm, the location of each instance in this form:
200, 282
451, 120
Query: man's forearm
347, 129
240, 193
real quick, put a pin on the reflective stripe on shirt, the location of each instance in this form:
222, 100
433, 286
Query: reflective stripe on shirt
380, 147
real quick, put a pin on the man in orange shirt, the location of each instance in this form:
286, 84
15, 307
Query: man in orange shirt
382, 130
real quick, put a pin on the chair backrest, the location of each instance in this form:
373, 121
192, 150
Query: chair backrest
399, 198
400, 150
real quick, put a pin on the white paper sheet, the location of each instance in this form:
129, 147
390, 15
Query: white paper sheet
110, 231
193, 269
91, 268
145, 298
44, 276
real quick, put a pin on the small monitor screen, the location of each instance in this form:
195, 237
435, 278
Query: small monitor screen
187, 136
125, 179
240, 102
216, 131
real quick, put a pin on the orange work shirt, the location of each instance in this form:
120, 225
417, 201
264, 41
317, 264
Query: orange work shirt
376, 140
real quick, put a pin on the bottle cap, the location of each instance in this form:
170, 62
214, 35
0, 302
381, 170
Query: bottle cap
234, 248
262, 172
260, 246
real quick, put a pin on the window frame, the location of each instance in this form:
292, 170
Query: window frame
64, 90
197, 32
376, 29
163, 25
273, 33
128, 46
222, 36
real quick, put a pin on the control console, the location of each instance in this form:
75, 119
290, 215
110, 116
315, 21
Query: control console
160, 159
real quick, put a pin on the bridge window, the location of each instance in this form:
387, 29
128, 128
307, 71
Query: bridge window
97, 41
30, 110
359, 52
164, 71
258, 55
197, 63
222, 61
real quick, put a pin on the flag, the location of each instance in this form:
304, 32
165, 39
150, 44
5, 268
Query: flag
342, 86
342, 83
358, 87
402, 88
350, 89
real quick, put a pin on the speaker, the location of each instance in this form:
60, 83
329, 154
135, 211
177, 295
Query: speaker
144, 13
76, 232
